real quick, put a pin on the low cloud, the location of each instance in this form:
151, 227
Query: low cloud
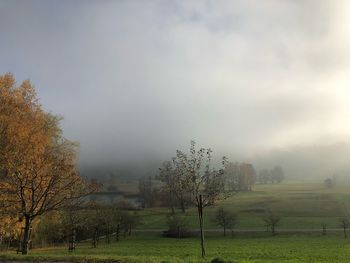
136, 80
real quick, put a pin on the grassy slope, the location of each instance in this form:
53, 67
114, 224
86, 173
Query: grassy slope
300, 205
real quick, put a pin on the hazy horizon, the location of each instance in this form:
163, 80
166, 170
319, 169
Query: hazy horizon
136, 80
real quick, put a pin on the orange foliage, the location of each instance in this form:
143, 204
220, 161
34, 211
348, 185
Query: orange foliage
37, 165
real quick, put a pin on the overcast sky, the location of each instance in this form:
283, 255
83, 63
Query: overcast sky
139, 79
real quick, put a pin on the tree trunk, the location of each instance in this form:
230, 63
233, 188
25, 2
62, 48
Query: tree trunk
324, 232
224, 230
182, 204
345, 235
74, 237
95, 239
273, 229
172, 203
9, 243
143, 202
108, 238
200, 217
71, 245
26, 235
117, 233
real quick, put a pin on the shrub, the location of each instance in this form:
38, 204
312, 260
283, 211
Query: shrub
177, 227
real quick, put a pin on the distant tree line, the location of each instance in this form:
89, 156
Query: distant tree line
239, 176
275, 175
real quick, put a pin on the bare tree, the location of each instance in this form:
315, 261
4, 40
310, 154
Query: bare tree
328, 183
205, 185
272, 221
344, 223
129, 221
146, 190
167, 177
108, 221
73, 219
225, 219
264, 176
95, 222
277, 174
117, 219
175, 183
239, 176
324, 229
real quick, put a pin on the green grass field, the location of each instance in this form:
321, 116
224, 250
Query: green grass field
151, 248
301, 205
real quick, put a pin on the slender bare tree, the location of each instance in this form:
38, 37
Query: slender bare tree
226, 219
204, 184
272, 221
344, 223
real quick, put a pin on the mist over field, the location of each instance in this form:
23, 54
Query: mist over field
264, 82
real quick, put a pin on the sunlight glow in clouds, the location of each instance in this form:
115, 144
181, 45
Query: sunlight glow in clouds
235, 75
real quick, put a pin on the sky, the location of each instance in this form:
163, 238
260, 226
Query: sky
136, 80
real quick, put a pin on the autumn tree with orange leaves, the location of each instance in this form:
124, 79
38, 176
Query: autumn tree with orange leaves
37, 164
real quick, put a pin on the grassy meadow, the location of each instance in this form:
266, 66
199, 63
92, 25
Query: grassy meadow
153, 248
302, 205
